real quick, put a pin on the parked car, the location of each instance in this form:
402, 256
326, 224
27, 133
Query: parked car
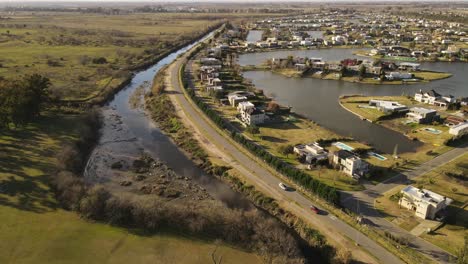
283, 186
314, 209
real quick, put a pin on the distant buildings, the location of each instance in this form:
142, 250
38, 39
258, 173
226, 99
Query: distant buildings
425, 204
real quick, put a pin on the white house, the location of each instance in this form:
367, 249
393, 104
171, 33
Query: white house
434, 98
235, 99
253, 116
244, 106
398, 75
388, 106
350, 163
422, 115
460, 129
311, 152
424, 203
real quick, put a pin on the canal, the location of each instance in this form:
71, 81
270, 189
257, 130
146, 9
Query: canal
318, 99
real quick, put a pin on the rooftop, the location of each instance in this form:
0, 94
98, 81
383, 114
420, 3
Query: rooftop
425, 195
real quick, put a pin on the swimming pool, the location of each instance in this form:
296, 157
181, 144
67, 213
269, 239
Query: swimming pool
377, 156
432, 130
343, 146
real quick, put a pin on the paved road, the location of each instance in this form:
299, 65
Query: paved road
328, 224
363, 203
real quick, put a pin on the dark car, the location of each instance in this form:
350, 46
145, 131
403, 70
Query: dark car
314, 209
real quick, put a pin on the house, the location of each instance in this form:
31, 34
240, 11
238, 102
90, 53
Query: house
434, 98
453, 120
214, 88
350, 163
244, 106
428, 97
389, 107
409, 66
235, 99
311, 153
459, 130
253, 116
214, 81
425, 204
210, 61
398, 75
422, 115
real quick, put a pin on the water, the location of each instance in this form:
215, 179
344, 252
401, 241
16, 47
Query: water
318, 99
139, 132
254, 35
325, 54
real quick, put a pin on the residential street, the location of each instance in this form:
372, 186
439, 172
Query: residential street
254, 173
330, 225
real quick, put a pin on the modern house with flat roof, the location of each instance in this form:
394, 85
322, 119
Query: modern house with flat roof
253, 116
425, 204
311, 153
350, 163
389, 107
459, 130
422, 115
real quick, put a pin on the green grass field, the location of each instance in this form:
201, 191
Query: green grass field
35, 229
62, 46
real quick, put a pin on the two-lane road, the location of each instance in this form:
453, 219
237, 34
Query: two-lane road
363, 203
332, 227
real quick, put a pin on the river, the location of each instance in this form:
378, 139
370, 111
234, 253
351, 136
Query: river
318, 99
127, 132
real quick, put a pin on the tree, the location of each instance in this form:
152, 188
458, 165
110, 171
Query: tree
362, 71
273, 107
253, 129
286, 149
21, 100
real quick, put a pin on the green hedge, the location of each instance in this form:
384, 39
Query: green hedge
331, 194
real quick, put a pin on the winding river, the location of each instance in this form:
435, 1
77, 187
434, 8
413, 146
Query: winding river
318, 99
127, 132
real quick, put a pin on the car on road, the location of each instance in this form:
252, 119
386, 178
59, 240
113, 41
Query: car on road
314, 209
283, 186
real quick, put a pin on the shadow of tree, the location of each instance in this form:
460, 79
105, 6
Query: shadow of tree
27, 161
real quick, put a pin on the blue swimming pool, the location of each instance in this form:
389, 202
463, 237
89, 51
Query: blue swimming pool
343, 146
377, 156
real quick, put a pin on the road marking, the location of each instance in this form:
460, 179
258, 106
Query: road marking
333, 217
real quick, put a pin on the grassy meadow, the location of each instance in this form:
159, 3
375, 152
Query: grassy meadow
64, 46
39, 231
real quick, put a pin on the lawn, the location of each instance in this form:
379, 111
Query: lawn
352, 103
442, 180
434, 143
39, 231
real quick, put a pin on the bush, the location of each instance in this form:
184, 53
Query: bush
100, 60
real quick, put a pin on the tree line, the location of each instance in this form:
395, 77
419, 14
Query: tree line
329, 193
21, 100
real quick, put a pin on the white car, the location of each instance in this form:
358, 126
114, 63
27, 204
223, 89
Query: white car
283, 186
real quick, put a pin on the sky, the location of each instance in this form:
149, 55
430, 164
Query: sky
233, 1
